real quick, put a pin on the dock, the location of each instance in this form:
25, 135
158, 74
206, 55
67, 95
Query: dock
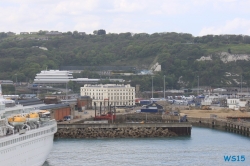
123, 130
240, 126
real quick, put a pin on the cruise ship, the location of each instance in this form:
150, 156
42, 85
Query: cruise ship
26, 135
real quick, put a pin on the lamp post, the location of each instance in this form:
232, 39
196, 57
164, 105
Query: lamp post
152, 86
164, 86
66, 97
198, 86
241, 84
16, 83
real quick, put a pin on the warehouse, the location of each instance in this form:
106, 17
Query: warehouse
58, 111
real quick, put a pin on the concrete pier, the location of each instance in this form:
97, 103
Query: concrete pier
124, 130
242, 128
234, 126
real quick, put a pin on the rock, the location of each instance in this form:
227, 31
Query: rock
134, 132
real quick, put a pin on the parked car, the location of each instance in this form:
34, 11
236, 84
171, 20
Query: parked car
66, 118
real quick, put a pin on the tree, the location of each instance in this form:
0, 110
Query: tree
101, 32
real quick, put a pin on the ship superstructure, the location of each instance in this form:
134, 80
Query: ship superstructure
26, 135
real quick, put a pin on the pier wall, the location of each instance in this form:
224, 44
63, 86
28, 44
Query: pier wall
126, 130
238, 127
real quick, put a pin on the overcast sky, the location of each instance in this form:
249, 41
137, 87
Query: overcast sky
198, 17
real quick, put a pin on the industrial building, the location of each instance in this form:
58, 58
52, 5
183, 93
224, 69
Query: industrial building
58, 111
53, 76
7, 82
59, 77
113, 94
84, 103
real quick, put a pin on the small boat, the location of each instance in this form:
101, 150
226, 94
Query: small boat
32, 117
17, 120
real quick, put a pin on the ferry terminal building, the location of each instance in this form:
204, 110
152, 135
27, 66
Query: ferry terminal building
118, 95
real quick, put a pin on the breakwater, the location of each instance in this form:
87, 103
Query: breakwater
235, 126
126, 130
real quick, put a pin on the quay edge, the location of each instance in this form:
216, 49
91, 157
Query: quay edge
123, 130
238, 127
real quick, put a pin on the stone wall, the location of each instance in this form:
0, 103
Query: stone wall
128, 132
208, 122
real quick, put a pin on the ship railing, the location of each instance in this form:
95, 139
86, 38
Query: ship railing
47, 123
22, 131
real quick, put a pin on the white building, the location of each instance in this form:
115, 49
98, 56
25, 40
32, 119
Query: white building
53, 76
57, 76
236, 104
233, 104
119, 95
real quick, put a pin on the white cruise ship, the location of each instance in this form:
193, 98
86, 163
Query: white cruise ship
26, 135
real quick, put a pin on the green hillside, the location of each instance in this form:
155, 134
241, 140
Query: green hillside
26, 55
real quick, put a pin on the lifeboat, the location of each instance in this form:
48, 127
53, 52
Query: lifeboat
44, 115
17, 120
32, 117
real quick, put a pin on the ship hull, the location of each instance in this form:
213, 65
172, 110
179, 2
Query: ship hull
29, 149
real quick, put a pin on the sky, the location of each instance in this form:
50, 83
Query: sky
197, 17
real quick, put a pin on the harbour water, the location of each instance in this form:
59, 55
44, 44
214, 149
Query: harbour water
204, 147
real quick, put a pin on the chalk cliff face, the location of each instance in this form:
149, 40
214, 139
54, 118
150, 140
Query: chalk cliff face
227, 57
203, 58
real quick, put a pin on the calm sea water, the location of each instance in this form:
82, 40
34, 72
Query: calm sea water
204, 147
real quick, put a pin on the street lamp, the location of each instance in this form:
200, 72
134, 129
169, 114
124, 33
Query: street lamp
152, 86
16, 83
66, 97
198, 86
164, 86
241, 84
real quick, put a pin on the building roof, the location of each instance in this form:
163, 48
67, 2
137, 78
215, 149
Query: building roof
219, 90
98, 68
28, 102
6, 82
154, 105
54, 106
85, 97
107, 86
